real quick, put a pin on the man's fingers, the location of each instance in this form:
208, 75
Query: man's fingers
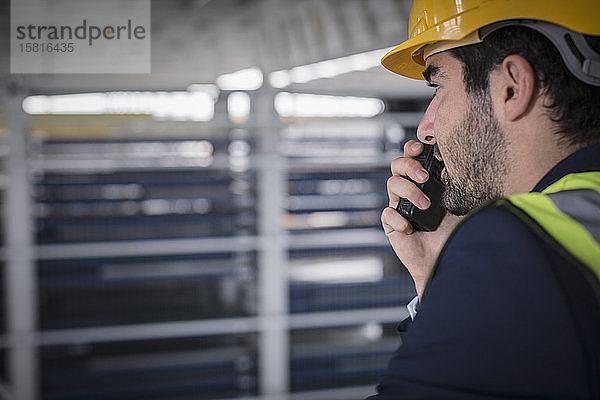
398, 187
394, 222
413, 148
407, 166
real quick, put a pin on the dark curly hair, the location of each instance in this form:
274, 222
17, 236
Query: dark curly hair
575, 105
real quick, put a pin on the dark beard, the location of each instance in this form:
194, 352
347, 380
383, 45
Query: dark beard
479, 157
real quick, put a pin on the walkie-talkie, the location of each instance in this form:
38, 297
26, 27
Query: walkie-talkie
429, 219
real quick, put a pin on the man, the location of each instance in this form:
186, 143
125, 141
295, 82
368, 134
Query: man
508, 301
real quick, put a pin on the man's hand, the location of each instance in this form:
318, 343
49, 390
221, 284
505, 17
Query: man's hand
417, 250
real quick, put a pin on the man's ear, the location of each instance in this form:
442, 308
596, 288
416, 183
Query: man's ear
518, 86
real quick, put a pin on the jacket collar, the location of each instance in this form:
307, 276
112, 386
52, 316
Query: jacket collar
583, 160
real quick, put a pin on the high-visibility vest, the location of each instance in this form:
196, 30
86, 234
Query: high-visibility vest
567, 215
569, 212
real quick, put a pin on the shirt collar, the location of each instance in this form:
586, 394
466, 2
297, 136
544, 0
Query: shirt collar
583, 160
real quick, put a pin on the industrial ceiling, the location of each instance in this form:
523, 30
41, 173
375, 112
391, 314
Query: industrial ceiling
194, 41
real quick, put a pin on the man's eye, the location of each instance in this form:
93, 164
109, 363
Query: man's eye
435, 88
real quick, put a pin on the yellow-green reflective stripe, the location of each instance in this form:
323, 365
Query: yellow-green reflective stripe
581, 180
568, 232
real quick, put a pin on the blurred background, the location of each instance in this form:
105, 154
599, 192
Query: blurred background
209, 230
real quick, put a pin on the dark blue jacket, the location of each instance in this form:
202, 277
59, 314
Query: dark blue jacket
506, 315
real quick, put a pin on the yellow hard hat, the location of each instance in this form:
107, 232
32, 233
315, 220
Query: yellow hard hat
437, 25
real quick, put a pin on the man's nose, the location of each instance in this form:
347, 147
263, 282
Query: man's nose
425, 131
